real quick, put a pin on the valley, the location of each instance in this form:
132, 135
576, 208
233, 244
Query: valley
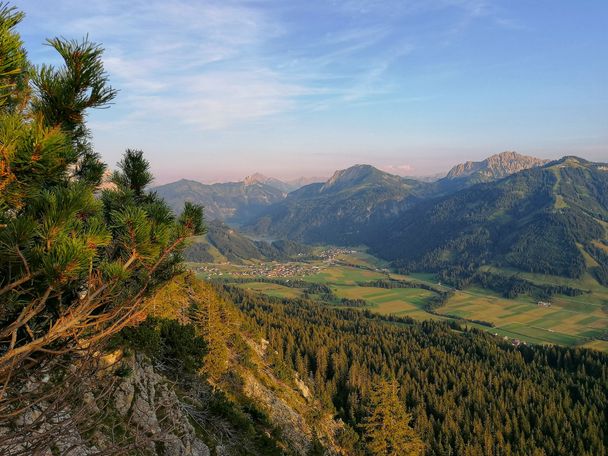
344, 277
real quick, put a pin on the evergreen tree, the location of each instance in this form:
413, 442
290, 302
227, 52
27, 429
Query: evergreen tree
387, 428
208, 316
74, 268
13, 61
134, 172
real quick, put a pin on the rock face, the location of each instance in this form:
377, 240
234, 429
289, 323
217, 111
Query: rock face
147, 401
143, 411
293, 425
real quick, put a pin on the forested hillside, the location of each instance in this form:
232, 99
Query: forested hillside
342, 210
549, 220
238, 396
468, 392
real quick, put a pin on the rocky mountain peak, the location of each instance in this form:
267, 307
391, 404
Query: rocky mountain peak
496, 166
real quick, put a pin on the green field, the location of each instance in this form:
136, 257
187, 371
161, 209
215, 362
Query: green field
571, 321
272, 289
396, 301
344, 275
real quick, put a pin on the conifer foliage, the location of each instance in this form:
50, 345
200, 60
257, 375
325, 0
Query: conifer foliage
75, 266
387, 428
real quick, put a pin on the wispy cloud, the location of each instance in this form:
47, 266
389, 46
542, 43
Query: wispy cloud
217, 63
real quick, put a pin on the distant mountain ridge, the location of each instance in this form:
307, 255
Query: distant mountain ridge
359, 175
234, 202
285, 186
358, 201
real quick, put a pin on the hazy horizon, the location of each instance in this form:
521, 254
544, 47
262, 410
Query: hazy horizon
404, 172
217, 90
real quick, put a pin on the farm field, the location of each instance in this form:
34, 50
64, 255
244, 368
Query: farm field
272, 289
601, 345
570, 321
397, 301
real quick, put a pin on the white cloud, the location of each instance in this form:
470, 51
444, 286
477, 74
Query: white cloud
195, 62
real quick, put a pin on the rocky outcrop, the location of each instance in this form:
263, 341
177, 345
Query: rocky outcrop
133, 404
293, 426
147, 400
289, 406
143, 414
495, 167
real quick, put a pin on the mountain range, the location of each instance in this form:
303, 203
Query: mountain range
230, 201
509, 210
285, 186
247, 200
358, 202
342, 209
233, 201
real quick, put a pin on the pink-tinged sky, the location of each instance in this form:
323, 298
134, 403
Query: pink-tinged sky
218, 89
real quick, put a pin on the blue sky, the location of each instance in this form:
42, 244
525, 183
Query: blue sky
216, 90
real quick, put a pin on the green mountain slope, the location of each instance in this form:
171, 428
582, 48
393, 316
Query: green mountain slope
551, 219
469, 393
341, 210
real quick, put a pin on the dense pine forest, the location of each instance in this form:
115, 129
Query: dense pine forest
469, 393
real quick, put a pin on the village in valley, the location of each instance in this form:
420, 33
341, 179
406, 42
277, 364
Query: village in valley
275, 269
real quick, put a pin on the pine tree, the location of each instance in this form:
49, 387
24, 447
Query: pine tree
134, 172
13, 61
387, 428
74, 268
